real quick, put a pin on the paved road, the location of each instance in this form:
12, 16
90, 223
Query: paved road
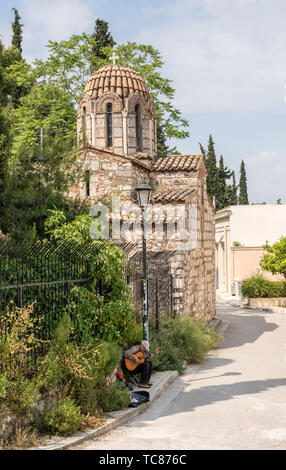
236, 400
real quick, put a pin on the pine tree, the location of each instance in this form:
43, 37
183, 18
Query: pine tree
243, 196
17, 31
103, 38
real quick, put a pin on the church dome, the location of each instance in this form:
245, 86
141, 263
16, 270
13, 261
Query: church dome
117, 112
117, 79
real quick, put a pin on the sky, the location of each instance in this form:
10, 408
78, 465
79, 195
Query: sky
227, 60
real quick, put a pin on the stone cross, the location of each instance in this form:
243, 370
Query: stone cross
114, 57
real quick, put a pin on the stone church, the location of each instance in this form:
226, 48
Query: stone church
117, 139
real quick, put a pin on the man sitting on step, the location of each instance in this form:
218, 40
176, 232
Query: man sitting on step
137, 366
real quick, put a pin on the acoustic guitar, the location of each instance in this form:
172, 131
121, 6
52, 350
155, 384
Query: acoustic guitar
131, 365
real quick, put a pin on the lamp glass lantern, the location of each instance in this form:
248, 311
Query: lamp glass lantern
144, 191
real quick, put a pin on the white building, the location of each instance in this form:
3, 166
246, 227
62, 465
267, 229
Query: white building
241, 232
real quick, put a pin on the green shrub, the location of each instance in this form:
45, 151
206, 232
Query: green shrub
50, 371
64, 419
116, 398
257, 287
274, 257
4, 383
88, 400
134, 334
282, 288
192, 338
108, 317
95, 384
22, 395
182, 339
169, 358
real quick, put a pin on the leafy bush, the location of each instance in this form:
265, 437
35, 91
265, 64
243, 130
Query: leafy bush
134, 334
169, 358
182, 339
116, 398
90, 391
4, 383
49, 371
20, 339
192, 338
274, 258
64, 419
110, 316
110, 319
80, 370
88, 400
258, 287
22, 395
282, 288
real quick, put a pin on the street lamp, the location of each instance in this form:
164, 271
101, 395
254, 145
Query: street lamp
144, 193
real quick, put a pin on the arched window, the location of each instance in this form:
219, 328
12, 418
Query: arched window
138, 128
84, 121
109, 125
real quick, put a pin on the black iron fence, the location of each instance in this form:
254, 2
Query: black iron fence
42, 274
160, 284
160, 298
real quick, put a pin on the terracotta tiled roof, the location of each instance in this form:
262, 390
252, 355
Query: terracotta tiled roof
178, 163
116, 78
173, 194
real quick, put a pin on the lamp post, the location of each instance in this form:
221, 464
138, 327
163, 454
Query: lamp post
144, 193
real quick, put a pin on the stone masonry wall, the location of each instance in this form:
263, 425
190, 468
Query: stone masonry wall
192, 266
109, 174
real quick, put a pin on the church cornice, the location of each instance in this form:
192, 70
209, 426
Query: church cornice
112, 154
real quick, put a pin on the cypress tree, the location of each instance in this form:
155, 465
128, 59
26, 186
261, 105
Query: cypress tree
233, 200
223, 190
225, 194
203, 151
103, 38
231, 192
243, 195
17, 31
211, 164
13, 56
5, 90
162, 147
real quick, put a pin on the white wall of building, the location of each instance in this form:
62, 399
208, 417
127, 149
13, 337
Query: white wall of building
250, 226
254, 224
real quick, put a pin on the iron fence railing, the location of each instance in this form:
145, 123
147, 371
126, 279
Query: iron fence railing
42, 273
160, 298
160, 283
